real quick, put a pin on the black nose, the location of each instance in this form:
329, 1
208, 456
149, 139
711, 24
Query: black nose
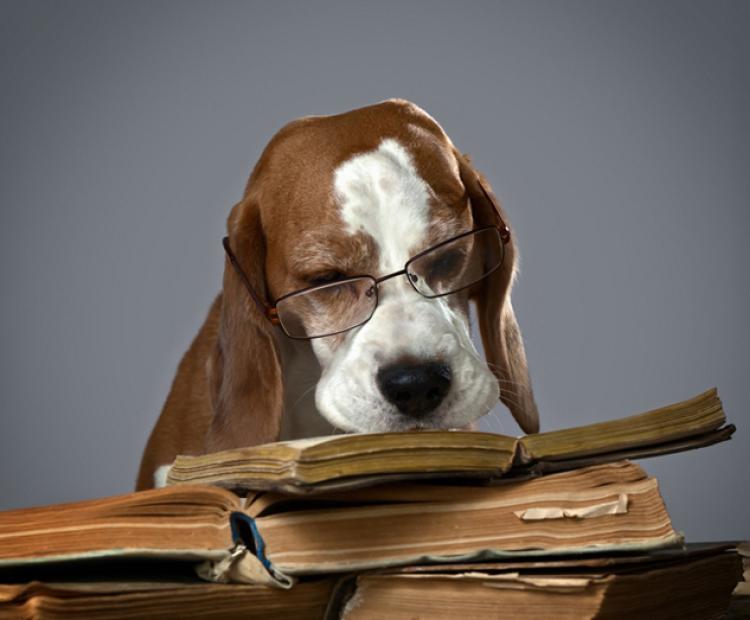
415, 389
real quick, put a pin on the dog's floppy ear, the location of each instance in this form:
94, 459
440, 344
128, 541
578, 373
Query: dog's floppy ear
501, 336
244, 371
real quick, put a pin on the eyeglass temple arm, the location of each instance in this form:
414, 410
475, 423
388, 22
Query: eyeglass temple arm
268, 311
501, 226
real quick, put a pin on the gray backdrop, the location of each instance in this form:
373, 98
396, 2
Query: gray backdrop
616, 134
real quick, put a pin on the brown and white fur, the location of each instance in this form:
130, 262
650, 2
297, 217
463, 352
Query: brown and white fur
355, 193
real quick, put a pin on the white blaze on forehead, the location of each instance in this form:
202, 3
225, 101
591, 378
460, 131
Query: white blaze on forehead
382, 195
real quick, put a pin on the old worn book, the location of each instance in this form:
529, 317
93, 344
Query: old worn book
273, 538
743, 588
192, 523
566, 587
103, 598
350, 461
740, 606
695, 586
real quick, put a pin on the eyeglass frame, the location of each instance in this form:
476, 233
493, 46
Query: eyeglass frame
270, 312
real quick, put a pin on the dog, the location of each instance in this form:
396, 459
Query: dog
350, 264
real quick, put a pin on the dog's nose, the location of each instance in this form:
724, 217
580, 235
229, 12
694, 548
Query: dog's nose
415, 389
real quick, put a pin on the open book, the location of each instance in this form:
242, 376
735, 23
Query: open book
271, 538
350, 461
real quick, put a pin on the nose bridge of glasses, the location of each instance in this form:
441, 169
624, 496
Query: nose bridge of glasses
385, 278
404, 287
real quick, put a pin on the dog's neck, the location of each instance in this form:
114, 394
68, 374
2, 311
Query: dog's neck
301, 373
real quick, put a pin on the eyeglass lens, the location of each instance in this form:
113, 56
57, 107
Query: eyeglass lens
455, 265
329, 308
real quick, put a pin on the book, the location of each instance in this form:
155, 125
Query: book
357, 460
192, 524
740, 605
105, 597
743, 587
562, 587
273, 538
692, 585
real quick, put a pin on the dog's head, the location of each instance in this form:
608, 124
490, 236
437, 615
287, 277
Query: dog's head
337, 203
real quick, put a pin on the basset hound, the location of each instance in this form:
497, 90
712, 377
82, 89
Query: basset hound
350, 263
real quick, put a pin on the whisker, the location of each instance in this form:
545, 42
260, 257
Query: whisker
335, 430
513, 402
504, 378
496, 416
509, 392
495, 367
359, 399
305, 393
514, 383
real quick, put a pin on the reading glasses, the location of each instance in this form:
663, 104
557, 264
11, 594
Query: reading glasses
343, 303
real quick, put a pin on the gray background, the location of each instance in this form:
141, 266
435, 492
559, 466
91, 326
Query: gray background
616, 134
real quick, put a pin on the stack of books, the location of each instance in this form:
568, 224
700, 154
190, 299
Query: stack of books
431, 524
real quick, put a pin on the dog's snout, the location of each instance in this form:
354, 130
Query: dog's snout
415, 389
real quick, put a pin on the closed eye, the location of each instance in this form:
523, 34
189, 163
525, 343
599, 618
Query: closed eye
446, 264
325, 277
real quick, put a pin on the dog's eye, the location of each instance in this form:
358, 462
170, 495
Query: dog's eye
325, 278
446, 264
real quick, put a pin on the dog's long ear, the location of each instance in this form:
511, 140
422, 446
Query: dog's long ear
501, 336
244, 372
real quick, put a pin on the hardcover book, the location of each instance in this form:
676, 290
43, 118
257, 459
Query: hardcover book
695, 582
273, 538
100, 596
696, 585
